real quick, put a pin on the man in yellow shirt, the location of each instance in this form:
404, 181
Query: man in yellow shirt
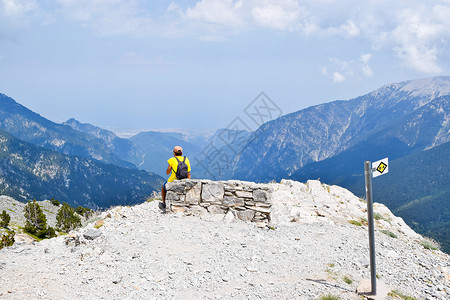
174, 163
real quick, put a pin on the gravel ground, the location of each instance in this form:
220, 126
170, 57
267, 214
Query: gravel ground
143, 254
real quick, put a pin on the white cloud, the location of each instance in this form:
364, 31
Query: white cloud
365, 68
338, 77
109, 17
223, 12
340, 70
419, 37
281, 15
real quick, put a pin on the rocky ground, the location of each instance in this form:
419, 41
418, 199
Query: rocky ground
311, 250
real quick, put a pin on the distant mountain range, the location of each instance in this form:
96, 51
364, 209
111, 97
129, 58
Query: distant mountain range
31, 127
31, 172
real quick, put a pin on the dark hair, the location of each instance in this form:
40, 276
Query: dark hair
179, 153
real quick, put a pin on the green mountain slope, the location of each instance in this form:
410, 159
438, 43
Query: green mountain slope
28, 171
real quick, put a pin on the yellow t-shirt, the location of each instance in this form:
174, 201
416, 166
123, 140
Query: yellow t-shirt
174, 164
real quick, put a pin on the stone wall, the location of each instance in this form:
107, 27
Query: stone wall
247, 201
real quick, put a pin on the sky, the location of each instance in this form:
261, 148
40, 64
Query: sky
133, 65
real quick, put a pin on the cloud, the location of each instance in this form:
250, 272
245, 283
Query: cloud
109, 17
340, 70
338, 77
280, 15
15, 15
421, 36
365, 68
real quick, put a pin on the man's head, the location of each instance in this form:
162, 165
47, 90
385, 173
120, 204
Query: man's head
177, 151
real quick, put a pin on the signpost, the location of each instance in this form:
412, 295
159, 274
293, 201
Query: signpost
378, 168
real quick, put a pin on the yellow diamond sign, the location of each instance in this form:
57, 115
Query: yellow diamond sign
380, 167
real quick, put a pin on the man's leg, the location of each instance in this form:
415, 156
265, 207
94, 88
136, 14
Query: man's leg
162, 205
163, 193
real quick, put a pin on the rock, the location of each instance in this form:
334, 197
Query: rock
229, 217
213, 191
244, 194
264, 210
232, 201
92, 234
172, 196
195, 210
193, 196
177, 186
244, 215
262, 196
216, 209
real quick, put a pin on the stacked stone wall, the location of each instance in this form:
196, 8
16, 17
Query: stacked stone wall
247, 201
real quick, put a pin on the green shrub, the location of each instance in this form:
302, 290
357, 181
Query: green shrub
84, 211
354, 222
430, 244
35, 220
396, 295
55, 202
7, 240
389, 233
4, 219
329, 297
66, 219
348, 280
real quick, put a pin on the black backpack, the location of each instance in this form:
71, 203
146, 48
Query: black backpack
182, 169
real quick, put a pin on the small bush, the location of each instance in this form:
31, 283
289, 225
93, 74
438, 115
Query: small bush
7, 240
397, 295
329, 297
55, 202
348, 280
389, 233
430, 244
4, 219
84, 211
354, 222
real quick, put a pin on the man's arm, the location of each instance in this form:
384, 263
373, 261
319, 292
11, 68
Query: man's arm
169, 169
189, 175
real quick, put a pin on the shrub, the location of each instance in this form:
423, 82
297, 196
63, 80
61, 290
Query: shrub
329, 297
55, 202
354, 222
66, 220
389, 233
7, 240
4, 219
430, 244
84, 211
35, 220
348, 280
396, 294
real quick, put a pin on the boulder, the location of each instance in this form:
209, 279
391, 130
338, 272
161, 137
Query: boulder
262, 196
193, 196
177, 186
212, 191
92, 234
232, 201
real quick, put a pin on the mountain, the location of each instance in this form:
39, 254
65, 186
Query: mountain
122, 148
285, 145
31, 127
156, 148
30, 172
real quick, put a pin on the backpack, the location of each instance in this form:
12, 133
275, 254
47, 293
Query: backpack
182, 169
